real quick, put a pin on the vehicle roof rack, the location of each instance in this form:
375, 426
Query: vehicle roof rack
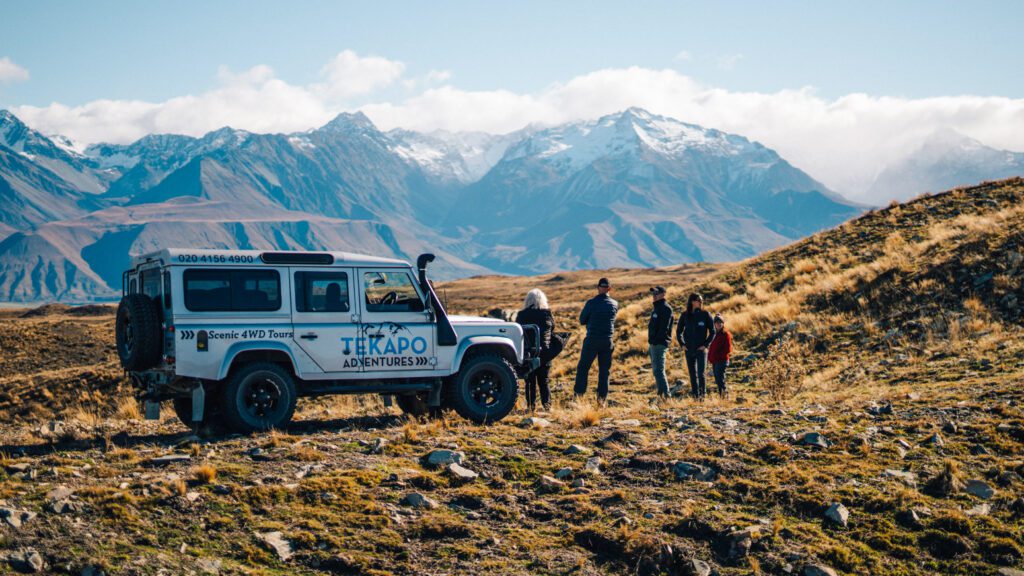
303, 258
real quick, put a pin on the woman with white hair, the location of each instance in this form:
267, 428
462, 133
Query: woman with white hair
537, 312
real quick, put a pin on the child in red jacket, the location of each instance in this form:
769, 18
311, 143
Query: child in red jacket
719, 352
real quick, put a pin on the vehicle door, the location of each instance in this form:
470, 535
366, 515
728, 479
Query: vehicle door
325, 320
396, 330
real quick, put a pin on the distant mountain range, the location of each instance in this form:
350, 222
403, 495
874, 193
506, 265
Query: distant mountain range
947, 159
629, 189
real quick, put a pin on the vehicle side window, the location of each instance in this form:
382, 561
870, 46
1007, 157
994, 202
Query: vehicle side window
321, 292
224, 290
391, 292
151, 282
167, 289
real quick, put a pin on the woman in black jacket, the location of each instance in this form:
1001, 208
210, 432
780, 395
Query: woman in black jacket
537, 312
695, 331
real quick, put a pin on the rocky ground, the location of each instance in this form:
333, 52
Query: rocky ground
875, 427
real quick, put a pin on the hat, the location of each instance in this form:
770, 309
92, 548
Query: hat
657, 290
718, 318
694, 297
603, 283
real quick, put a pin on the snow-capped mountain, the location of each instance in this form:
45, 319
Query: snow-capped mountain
457, 157
629, 189
57, 155
637, 189
946, 159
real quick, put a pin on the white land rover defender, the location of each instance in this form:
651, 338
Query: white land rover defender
234, 337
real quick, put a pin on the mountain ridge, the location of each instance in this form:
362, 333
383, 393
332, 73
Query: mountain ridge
628, 189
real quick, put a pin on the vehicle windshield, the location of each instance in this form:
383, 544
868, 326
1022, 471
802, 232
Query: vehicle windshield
391, 292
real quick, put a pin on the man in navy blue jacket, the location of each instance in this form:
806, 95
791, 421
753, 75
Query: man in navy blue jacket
598, 316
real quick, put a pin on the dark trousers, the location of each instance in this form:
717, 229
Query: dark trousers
718, 369
696, 365
538, 379
604, 365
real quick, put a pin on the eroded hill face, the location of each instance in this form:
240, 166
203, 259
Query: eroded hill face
877, 384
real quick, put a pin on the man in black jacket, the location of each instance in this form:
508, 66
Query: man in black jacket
694, 333
659, 336
598, 316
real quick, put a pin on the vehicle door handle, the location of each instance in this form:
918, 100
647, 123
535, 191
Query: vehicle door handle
310, 336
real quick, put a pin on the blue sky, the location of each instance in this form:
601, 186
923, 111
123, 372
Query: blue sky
81, 51
838, 88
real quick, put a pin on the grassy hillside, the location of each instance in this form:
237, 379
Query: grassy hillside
896, 337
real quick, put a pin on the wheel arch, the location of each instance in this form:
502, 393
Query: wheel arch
488, 344
246, 352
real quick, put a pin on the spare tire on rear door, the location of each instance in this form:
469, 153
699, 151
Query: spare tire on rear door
138, 333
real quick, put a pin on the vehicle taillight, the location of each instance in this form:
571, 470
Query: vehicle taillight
170, 328
169, 359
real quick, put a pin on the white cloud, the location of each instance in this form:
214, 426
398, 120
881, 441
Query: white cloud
438, 76
843, 142
349, 74
684, 56
11, 72
728, 62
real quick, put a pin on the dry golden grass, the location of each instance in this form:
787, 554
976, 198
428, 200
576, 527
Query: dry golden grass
204, 474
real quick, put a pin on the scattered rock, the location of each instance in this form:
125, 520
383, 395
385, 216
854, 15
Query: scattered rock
534, 422
563, 473
910, 519
593, 465
616, 437
462, 473
417, 500
378, 445
59, 493
277, 544
547, 485
908, 478
578, 483
838, 514
818, 570
950, 427
691, 471
438, 458
1010, 572
980, 488
631, 423
739, 542
935, 440
27, 561
209, 565
575, 449
260, 455
815, 439
167, 460
65, 507
15, 518
982, 509
695, 567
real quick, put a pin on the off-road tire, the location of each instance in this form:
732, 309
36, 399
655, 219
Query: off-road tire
212, 423
138, 333
485, 388
415, 405
259, 397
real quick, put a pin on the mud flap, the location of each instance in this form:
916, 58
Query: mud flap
434, 399
387, 400
198, 403
152, 410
